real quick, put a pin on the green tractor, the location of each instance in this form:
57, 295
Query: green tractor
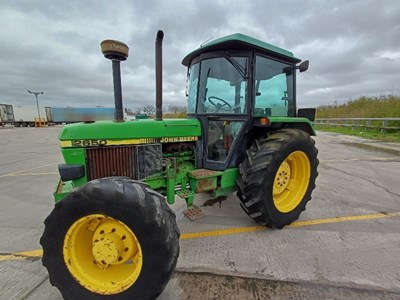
112, 233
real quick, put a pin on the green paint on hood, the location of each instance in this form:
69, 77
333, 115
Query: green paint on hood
131, 129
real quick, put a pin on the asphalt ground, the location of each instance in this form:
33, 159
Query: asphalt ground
344, 246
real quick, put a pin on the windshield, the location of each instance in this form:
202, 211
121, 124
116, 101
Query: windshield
217, 86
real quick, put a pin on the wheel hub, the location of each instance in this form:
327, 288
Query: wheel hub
291, 181
112, 243
107, 249
282, 178
102, 254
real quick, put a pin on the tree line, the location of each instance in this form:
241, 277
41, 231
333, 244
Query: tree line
150, 110
387, 106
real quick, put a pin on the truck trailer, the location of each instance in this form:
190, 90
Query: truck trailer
20, 115
67, 115
6, 114
26, 115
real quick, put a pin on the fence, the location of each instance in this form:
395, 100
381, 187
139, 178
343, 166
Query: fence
382, 124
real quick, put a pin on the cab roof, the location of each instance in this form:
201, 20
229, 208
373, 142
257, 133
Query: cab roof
239, 41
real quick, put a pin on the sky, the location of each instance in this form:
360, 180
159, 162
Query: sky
54, 46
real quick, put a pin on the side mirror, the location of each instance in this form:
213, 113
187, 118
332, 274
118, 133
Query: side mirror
303, 66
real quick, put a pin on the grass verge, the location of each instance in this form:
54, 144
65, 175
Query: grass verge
372, 134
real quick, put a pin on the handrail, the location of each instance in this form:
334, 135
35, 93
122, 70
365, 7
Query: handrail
383, 124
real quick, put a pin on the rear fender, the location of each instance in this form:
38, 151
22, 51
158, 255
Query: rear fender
275, 123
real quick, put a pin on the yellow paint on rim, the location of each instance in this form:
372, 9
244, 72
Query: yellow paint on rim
236, 230
291, 181
102, 254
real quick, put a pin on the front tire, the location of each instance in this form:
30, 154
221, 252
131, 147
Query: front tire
113, 238
278, 176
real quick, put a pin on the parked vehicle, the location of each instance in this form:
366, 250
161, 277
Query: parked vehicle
112, 234
66, 115
6, 114
27, 115
20, 115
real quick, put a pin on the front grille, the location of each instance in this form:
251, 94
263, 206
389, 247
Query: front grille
110, 161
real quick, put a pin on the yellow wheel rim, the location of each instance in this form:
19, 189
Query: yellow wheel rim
102, 254
291, 181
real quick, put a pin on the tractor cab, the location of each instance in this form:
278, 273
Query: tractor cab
237, 83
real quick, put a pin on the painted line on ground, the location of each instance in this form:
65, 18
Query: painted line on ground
31, 174
22, 255
22, 171
195, 235
373, 159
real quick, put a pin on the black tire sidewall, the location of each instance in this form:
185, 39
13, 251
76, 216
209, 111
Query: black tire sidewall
148, 222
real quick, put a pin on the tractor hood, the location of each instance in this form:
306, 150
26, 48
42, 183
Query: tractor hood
145, 131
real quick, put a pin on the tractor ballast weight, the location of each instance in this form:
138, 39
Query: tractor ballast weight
112, 232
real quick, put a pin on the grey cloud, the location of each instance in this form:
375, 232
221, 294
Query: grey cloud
353, 46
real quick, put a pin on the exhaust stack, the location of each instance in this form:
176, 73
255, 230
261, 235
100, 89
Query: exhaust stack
159, 39
116, 52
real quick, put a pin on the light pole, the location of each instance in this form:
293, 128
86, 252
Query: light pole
37, 104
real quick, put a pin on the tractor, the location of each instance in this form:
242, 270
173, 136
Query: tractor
112, 233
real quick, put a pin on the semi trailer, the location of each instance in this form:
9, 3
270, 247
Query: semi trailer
27, 115
20, 115
66, 115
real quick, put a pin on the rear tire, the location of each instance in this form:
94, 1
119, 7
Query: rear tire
278, 176
113, 238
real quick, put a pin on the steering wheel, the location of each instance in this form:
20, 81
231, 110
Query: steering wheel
218, 106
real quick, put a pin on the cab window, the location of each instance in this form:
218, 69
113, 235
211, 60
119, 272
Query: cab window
274, 88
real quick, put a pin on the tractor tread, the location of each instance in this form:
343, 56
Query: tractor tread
255, 180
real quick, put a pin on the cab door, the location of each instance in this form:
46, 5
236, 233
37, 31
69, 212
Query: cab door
223, 102
219, 86
223, 141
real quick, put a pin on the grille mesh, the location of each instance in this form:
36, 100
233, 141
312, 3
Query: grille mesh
110, 161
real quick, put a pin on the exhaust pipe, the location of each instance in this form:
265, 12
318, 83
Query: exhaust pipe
116, 52
119, 113
159, 39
